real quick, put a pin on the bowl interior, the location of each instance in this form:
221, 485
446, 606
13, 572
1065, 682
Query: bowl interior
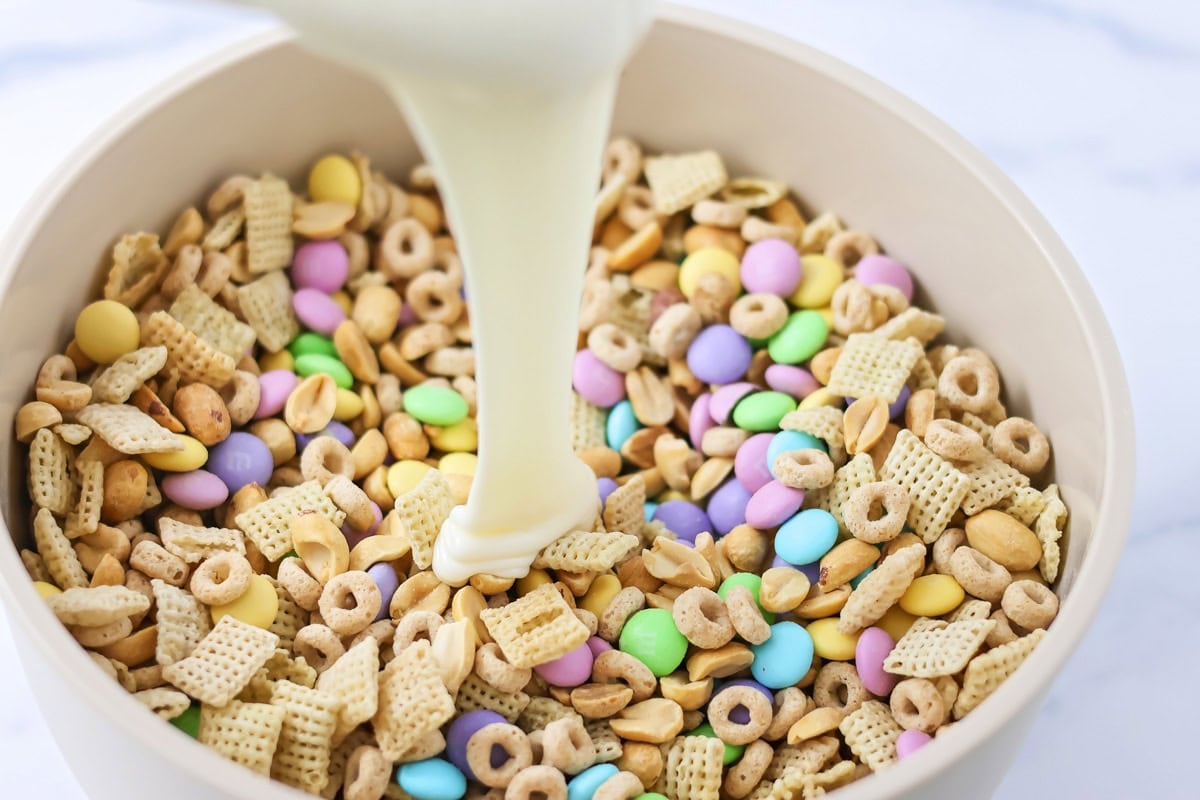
883, 168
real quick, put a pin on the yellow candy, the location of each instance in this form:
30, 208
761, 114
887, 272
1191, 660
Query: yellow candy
600, 594
347, 405
932, 596
460, 437
257, 607
459, 463
896, 621
335, 178
536, 578
821, 397
404, 475
709, 259
106, 330
281, 360
46, 590
829, 643
192, 456
672, 494
343, 300
827, 314
822, 276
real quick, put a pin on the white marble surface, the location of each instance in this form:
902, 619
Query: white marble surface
1090, 105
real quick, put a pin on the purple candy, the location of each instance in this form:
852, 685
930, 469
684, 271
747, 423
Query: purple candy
872, 648
771, 266
700, 419
750, 462
273, 390
241, 459
198, 490
719, 355
897, 408
811, 571
795, 381
597, 382
686, 520
598, 646
407, 316
725, 398
460, 732
317, 310
727, 506
772, 505
335, 429
569, 670
876, 268
910, 742
606, 486
388, 581
321, 265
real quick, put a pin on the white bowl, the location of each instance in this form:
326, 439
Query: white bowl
983, 257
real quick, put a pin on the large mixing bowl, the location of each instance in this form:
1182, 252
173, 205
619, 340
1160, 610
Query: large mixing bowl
983, 256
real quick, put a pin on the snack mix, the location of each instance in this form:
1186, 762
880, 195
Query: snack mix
820, 539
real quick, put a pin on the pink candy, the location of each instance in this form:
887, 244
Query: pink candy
795, 381
572, 669
750, 462
725, 398
700, 419
874, 645
321, 265
273, 390
910, 742
596, 382
198, 490
772, 505
598, 646
771, 266
317, 310
874, 269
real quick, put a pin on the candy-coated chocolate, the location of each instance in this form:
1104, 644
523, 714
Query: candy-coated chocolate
620, 425
771, 266
435, 405
685, 519
800, 338
719, 354
773, 504
597, 382
241, 459
705, 260
321, 265
762, 411
651, 637
880, 269
106, 330
806, 537
315, 363
198, 490
873, 646
750, 463
432, 779
784, 658
570, 669
727, 506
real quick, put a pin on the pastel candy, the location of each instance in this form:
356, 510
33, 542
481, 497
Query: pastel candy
719, 354
570, 669
322, 265
762, 411
879, 269
910, 742
460, 732
584, 785
793, 380
273, 390
596, 382
682, 518
799, 339
772, 504
771, 266
241, 459
106, 330
388, 582
334, 178
784, 658
786, 441
806, 537
317, 310
874, 645
750, 463
432, 779
605, 486
598, 646
753, 584
652, 638
435, 405
727, 506
705, 260
319, 363
732, 751
725, 398
198, 490
700, 419
620, 425
309, 343
335, 429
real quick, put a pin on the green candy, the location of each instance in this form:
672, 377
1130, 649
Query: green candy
750, 581
435, 405
651, 637
799, 339
732, 751
309, 344
761, 411
189, 721
651, 796
315, 363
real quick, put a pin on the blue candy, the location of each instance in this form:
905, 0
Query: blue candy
585, 784
806, 537
785, 441
433, 779
650, 508
783, 659
621, 424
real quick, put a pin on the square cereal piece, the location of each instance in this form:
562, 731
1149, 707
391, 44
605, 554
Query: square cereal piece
970, 609
922, 376
138, 267
587, 424
824, 422
983, 428
809, 785
183, 622
213, 323
541, 711
586, 551
91, 496
475, 693
857, 472
985, 673
266, 524
35, 565
268, 205
421, 511
871, 364
413, 701
194, 543
694, 768
1024, 505
881, 589
306, 736
679, 181
225, 230
625, 509
51, 467
267, 306
871, 733
289, 619
245, 733
536, 628
121, 379
1049, 527
932, 648
56, 552
223, 663
128, 430
608, 744
354, 680
806, 758
194, 358
166, 703
935, 487
913, 322
991, 481
281, 666
94, 606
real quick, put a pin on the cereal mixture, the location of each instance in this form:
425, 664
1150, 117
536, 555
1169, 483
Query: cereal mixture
820, 540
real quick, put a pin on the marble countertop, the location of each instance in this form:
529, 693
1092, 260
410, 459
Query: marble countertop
1089, 105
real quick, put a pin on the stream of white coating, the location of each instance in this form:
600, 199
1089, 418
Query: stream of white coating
510, 101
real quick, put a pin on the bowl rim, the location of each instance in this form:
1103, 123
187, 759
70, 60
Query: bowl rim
1027, 686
